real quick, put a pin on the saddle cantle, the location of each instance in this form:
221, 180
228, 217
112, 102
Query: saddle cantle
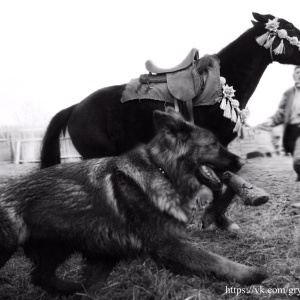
190, 58
195, 82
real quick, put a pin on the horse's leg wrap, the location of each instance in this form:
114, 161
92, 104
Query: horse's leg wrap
250, 194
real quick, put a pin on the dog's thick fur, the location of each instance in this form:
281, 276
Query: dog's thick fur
113, 208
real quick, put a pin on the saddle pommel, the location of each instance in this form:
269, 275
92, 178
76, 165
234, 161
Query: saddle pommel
191, 57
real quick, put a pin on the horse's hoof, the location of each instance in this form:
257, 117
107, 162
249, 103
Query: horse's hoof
207, 219
233, 228
225, 223
259, 200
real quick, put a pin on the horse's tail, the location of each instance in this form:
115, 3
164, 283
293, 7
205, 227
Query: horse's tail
50, 154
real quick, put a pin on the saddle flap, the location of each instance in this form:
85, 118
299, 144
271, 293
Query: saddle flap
185, 84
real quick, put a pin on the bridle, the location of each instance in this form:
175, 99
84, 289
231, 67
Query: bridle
267, 38
271, 50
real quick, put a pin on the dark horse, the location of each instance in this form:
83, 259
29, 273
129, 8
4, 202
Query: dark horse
101, 125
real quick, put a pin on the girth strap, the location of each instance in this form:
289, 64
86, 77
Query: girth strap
162, 78
189, 105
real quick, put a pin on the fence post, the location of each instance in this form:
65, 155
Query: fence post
18, 152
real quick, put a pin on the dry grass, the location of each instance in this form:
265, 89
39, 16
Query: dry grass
269, 238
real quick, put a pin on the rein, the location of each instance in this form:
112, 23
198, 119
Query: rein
271, 51
271, 54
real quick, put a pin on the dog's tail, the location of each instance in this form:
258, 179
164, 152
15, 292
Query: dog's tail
50, 153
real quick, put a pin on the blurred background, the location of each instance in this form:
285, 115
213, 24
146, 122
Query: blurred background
55, 53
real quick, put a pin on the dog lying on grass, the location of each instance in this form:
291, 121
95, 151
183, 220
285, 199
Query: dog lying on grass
114, 208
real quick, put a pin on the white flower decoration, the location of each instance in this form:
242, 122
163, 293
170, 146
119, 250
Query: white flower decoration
294, 41
235, 103
282, 33
245, 113
231, 109
272, 25
228, 91
223, 81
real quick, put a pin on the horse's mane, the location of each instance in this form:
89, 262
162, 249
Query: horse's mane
207, 61
243, 63
240, 46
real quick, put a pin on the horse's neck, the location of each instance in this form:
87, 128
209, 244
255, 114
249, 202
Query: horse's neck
243, 63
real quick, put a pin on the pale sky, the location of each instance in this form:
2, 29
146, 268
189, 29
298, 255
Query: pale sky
55, 53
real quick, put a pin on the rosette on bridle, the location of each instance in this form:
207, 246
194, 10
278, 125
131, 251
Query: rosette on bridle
268, 38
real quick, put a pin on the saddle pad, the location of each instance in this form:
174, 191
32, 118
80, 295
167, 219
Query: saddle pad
212, 91
158, 91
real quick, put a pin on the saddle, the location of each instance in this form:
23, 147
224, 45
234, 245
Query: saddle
184, 82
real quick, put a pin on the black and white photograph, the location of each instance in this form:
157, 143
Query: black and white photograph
149, 150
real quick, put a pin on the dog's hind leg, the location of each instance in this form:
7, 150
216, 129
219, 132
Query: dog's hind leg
46, 259
95, 273
184, 258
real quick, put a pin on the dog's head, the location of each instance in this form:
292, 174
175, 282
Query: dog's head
198, 147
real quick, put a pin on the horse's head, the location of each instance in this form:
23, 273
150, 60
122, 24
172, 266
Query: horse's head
280, 37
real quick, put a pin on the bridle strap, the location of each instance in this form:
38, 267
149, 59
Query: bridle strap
271, 54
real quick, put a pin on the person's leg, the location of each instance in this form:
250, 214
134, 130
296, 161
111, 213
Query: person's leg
291, 142
296, 158
296, 165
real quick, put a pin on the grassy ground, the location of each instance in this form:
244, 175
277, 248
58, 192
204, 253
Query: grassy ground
269, 238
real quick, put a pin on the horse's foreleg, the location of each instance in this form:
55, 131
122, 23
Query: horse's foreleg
250, 195
215, 212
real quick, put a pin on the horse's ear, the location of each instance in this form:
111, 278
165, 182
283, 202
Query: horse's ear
262, 18
254, 22
170, 119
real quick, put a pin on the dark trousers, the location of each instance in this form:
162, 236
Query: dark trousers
291, 144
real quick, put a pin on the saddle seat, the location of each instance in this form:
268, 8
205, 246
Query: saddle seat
190, 58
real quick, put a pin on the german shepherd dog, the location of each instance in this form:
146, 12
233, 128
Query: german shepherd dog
109, 209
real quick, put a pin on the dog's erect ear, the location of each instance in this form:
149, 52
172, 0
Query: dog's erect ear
171, 110
262, 18
170, 119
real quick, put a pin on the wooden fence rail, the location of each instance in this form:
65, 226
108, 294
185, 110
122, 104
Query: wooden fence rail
27, 150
